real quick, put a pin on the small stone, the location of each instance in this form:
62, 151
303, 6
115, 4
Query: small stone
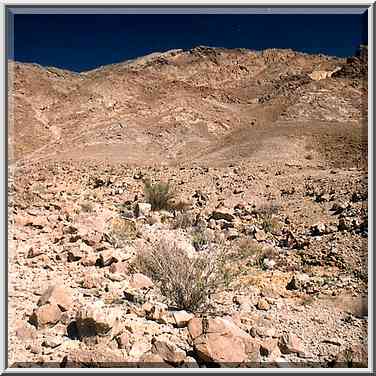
90, 281
124, 341
143, 209
298, 282
34, 348
269, 347
52, 341
190, 362
268, 264
195, 328
158, 313
182, 318
26, 332
140, 281
89, 260
262, 331
47, 315
153, 360
138, 349
119, 268
95, 320
60, 295
222, 213
168, 351
260, 235
74, 255
318, 229
262, 304
290, 343
107, 258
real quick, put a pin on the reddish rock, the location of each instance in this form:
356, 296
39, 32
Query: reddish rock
60, 295
195, 327
99, 356
119, 267
89, 260
26, 332
124, 341
222, 342
48, 314
182, 318
95, 320
168, 351
140, 281
290, 343
150, 360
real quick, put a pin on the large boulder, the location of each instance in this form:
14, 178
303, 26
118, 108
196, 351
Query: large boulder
221, 342
95, 320
168, 351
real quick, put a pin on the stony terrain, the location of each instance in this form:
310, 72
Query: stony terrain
266, 153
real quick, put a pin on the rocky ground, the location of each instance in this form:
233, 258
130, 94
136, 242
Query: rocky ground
277, 209
295, 242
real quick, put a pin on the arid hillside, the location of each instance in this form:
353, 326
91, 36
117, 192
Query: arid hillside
203, 104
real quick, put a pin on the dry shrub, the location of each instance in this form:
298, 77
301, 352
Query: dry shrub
200, 238
254, 253
159, 195
266, 213
187, 282
183, 220
249, 248
120, 231
87, 207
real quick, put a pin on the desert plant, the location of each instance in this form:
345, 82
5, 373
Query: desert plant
87, 207
158, 194
120, 230
200, 238
187, 282
268, 208
269, 223
266, 253
248, 248
183, 220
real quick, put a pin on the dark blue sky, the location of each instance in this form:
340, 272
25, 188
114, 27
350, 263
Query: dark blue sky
82, 42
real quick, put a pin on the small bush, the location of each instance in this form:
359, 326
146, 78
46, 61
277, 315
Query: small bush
87, 207
266, 253
200, 238
269, 224
183, 220
120, 231
187, 282
268, 209
158, 195
249, 248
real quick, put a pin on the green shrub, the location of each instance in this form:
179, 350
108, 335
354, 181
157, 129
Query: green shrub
158, 195
200, 238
